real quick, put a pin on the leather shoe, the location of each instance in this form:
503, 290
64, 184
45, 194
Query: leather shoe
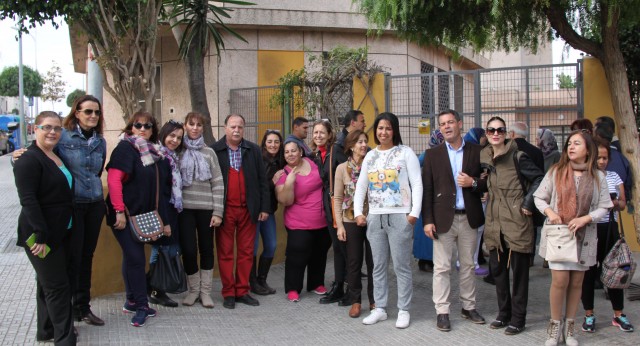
497, 324
354, 312
443, 322
90, 318
229, 302
473, 315
247, 299
161, 298
511, 330
345, 301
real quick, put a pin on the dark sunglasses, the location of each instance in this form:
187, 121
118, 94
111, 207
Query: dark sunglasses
88, 112
499, 130
147, 126
173, 122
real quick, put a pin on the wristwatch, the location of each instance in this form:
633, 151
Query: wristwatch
474, 185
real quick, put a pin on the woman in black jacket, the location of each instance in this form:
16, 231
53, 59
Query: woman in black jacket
45, 188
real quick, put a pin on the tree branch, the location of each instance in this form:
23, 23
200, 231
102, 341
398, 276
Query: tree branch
559, 22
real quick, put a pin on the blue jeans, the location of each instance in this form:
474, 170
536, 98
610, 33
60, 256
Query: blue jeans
174, 249
267, 231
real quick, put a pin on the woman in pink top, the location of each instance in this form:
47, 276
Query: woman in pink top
299, 189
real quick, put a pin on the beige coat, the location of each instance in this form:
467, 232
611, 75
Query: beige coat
546, 197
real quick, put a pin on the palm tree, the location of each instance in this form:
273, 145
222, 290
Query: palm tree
196, 25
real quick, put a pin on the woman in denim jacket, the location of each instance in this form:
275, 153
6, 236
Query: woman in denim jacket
83, 150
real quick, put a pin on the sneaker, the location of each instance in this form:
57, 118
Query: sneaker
320, 290
512, 330
622, 322
141, 316
497, 324
129, 307
293, 296
482, 271
589, 324
376, 315
443, 322
403, 319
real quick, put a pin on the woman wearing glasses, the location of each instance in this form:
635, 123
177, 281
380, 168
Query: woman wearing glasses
138, 176
202, 199
573, 193
83, 150
273, 158
45, 188
508, 227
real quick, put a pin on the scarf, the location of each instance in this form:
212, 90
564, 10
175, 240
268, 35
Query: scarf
547, 142
176, 178
91, 138
436, 139
353, 169
574, 201
193, 164
474, 135
148, 151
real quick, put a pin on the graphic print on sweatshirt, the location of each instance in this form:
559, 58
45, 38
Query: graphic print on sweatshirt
384, 172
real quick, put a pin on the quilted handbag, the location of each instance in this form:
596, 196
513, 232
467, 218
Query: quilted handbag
147, 227
618, 266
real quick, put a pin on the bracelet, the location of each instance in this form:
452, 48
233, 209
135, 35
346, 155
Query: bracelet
119, 211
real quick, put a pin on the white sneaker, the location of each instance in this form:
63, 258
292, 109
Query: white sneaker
376, 315
403, 319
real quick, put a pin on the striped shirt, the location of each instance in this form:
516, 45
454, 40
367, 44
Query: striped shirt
613, 183
208, 194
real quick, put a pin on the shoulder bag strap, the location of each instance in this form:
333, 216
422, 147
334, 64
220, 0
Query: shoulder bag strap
331, 171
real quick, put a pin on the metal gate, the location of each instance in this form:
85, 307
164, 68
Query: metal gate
548, 96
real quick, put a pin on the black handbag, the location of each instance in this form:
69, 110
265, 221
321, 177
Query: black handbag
167, 273
147, 227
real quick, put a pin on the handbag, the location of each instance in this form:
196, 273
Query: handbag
561, 244
147, 227
167, 273
618, 266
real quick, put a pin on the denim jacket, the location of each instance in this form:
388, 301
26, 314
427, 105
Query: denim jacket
85, 162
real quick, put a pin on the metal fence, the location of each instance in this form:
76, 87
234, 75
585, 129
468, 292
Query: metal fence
253, 104
532, 94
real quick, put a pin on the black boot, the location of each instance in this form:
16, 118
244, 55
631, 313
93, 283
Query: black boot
253, 282
335, 294
263, 270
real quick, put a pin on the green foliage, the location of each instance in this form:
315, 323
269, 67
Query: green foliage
290, 86
15, 111
74, 95
9, 82
565, 81
203, 22
630, 46
53, 87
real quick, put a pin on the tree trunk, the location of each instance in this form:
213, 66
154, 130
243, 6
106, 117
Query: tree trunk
194, 63
615, 70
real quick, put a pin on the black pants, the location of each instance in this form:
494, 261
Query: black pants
590, 276
87, 220
339, 255
53, 297
306, 249
196, 236
358, 249
133, 263
511, 307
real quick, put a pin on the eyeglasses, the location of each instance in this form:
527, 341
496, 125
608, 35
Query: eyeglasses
173, 122
499, 130
88, 112
147, 126
48, 128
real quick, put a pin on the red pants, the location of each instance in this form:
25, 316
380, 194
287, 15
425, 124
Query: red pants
236, 227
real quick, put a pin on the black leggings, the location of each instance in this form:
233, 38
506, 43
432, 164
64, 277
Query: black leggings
196, 235
306, 249
590, 276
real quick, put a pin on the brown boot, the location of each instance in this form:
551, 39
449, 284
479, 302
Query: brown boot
206, 284
354, 312
194, 289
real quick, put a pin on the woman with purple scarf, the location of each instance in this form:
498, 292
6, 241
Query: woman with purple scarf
137, 173
202, 200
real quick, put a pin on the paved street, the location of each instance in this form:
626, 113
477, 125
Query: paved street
277, 321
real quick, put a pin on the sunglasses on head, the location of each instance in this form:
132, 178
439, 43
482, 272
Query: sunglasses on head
147, 126
499, 130
88, 112
173, 122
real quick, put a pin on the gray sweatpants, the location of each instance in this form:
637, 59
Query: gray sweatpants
391, 233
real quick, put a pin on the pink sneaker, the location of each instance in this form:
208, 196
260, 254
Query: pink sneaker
320, 290
293, 296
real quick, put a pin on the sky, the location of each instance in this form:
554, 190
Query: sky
42, 47
45, 45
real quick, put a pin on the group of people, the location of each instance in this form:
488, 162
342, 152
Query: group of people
230, 191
